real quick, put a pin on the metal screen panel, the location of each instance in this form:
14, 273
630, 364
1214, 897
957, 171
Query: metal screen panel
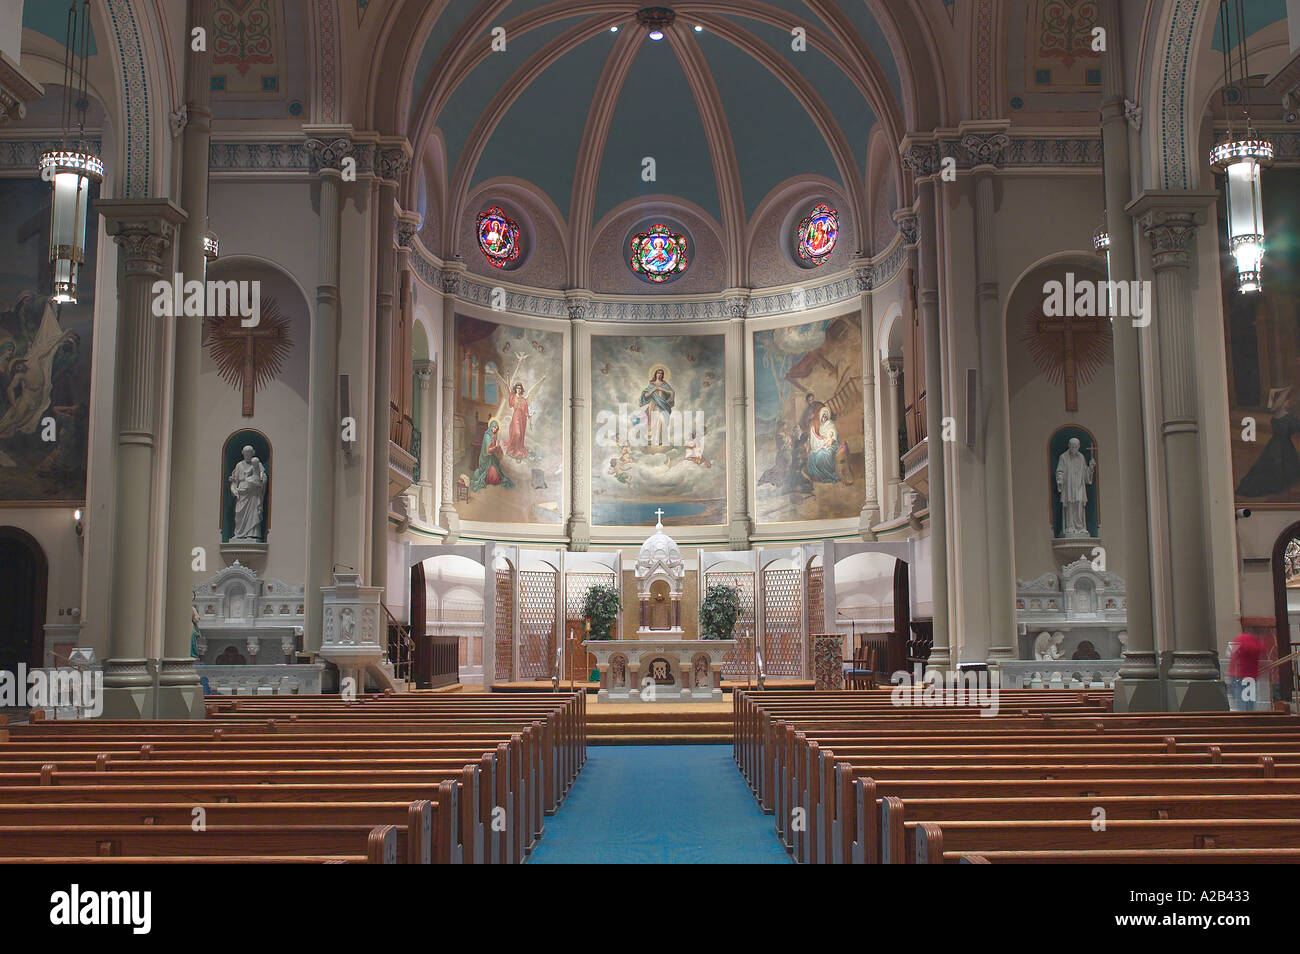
816, 600
536, 623
734, 664
505, 635
783, 623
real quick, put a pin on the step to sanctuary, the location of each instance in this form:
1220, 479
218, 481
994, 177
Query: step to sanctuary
692, 723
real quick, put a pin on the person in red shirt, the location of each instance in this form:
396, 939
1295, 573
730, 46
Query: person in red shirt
1250, 687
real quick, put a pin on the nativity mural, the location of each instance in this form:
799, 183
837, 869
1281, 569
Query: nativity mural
808, 421
509, 422
659, 421
44, 357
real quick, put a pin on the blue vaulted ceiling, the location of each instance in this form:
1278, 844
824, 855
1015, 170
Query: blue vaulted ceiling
656, 112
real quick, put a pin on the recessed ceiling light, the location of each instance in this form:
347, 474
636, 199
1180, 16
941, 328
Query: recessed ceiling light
613, 29
656, 35
698, 28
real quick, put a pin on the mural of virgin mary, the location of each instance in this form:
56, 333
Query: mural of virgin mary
658, 398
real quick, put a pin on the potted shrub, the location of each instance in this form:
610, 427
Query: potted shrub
600, 608
719, 611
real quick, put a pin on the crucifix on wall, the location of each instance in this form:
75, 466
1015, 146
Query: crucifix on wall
250, 357
1068, 350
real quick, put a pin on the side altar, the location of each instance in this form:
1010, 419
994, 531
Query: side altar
658, 664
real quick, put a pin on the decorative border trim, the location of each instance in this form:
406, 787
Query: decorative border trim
1173, 95
137, 176
291, 156
546, 304
24, 154
327, 18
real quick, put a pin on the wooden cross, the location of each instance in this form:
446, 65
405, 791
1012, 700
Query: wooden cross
251, 337
1068, 327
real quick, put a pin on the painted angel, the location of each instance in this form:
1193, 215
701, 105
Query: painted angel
519, 401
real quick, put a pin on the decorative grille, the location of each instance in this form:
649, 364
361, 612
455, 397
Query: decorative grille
783, 618
536, 623
735, 665
505, 636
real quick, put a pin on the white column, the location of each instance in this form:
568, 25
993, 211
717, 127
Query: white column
579, 421
144, 230
180, 694
447, 514
740, 525
893, 465
425, 372
324, 419
1170, 221
870, 515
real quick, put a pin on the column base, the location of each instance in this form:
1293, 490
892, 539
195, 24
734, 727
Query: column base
1197, 695
869, 517
940, 659
133, 702
450, 519
738, 534
579, 534
1135, 694
1001, 654
180, 694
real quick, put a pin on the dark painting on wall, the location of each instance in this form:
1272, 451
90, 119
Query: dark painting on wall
1263, 347
44, 357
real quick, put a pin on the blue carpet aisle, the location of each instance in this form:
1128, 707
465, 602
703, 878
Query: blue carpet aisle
660, 804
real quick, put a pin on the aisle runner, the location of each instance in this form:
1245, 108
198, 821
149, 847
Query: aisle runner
660, 804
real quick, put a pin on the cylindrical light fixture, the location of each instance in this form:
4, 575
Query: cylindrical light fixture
1242, 161
1241, 158
1101, 237
71, 172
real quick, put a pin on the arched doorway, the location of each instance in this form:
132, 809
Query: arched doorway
22, 599
1286, 589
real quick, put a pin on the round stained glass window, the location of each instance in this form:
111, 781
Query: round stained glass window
498, 237
816, 236
659, 254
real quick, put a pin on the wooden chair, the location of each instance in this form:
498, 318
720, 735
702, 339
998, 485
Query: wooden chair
862, 675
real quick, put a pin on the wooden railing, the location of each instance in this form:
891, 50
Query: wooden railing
401, 648
437, 661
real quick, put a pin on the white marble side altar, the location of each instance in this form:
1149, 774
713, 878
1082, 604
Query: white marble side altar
659, 670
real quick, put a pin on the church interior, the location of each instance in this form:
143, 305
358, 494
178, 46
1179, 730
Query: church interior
434, 431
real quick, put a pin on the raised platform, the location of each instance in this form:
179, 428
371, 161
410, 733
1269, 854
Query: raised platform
664, 723
538, 685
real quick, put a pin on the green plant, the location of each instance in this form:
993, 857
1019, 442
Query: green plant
601, 607
719, 611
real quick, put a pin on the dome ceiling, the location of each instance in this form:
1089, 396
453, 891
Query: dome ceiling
787, 113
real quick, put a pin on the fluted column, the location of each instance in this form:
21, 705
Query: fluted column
928, 299
1138, 687
393, 160
870, 515
740, 526
424, 375
180, 694
893, 465
144, 230
1170, 221
324, 415
580, 422
996, 442
447, 514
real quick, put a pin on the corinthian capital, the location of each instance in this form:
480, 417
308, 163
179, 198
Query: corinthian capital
327, 153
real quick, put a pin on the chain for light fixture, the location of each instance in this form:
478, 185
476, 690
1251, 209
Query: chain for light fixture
1241, 158
72, 169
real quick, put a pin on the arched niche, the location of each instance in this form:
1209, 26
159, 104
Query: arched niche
231, 455
23, 589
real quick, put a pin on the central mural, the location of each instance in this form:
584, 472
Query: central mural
659, 430
509, 431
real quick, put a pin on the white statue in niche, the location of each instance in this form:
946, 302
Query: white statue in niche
1074, 473
1048, 646
248, 484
